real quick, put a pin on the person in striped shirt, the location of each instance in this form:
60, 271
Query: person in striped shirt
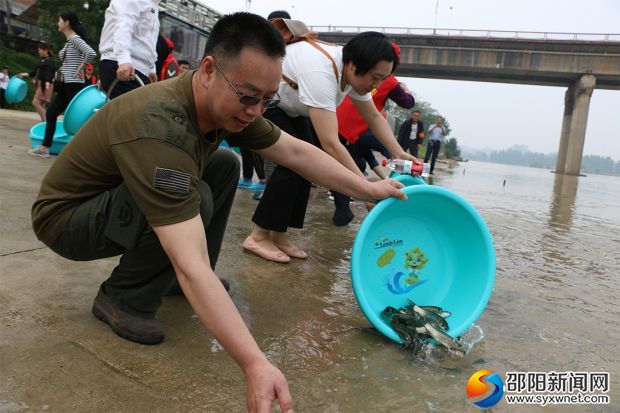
74, 55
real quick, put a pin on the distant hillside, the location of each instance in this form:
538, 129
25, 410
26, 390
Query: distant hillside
521, 155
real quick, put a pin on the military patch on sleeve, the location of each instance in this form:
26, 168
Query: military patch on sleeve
171, 180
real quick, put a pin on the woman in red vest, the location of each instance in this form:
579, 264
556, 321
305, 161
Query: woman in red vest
170, 68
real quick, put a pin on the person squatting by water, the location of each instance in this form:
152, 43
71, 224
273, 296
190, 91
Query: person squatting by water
314, 85
144, 179
73, 56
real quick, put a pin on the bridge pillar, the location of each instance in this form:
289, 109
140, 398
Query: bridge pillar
574, 122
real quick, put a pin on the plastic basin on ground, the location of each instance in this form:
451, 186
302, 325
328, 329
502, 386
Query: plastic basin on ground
61, 138
16, 90
434, 249
82, 107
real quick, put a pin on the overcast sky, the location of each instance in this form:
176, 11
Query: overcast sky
483, 115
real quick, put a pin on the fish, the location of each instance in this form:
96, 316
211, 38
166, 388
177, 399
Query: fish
415, 324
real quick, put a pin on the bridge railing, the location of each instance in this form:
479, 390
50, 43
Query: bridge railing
486, 34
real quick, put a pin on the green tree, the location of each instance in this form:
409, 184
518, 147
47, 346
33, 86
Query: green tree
451, 149
90, 12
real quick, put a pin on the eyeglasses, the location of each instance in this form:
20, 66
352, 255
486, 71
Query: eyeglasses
250, 100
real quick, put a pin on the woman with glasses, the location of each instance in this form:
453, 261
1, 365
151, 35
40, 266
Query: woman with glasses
315, 81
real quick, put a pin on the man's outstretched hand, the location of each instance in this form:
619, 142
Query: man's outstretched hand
265, 384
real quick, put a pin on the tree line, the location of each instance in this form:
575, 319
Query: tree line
517, 155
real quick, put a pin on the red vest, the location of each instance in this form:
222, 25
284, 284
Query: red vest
350, 123
170, 68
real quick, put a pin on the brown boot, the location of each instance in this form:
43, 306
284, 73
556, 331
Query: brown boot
133, 328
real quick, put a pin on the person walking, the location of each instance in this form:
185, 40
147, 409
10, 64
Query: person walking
153, 187
128, 45
42, 76
73, 56
436, 134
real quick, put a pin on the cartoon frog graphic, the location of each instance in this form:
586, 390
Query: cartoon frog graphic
415, 260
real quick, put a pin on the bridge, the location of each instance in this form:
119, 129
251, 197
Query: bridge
581, 62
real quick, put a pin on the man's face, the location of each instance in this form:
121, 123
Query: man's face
183, 68
415, 116
252, 73
370, 80
439, 121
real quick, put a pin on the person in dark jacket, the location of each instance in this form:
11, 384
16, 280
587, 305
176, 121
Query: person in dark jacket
42, 76
411, 133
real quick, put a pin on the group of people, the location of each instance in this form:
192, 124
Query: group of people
128, 48
144, 177
411, 135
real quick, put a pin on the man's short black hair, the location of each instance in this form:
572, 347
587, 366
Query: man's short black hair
183, 62
366, 50
235, 31
283, 14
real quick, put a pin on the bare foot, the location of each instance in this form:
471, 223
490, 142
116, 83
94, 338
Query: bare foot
266, 249
280, 240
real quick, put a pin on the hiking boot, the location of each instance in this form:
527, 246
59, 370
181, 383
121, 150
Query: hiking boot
130, 327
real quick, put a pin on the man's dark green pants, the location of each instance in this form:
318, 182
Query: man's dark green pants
111, 224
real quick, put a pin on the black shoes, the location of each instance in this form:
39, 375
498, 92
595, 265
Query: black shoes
128, 326
342, 218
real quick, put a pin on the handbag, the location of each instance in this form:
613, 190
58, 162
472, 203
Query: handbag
59, 78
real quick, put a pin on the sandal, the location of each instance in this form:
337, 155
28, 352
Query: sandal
261, 248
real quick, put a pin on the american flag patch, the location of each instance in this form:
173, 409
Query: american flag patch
171, 180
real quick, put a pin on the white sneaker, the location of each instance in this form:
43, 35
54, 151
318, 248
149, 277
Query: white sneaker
39, 152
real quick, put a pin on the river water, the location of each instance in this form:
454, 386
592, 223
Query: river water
554, 307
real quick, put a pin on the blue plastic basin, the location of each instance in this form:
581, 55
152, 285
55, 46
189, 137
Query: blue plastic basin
16, 90
61, 138
82, 107
434, 249
407, 180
